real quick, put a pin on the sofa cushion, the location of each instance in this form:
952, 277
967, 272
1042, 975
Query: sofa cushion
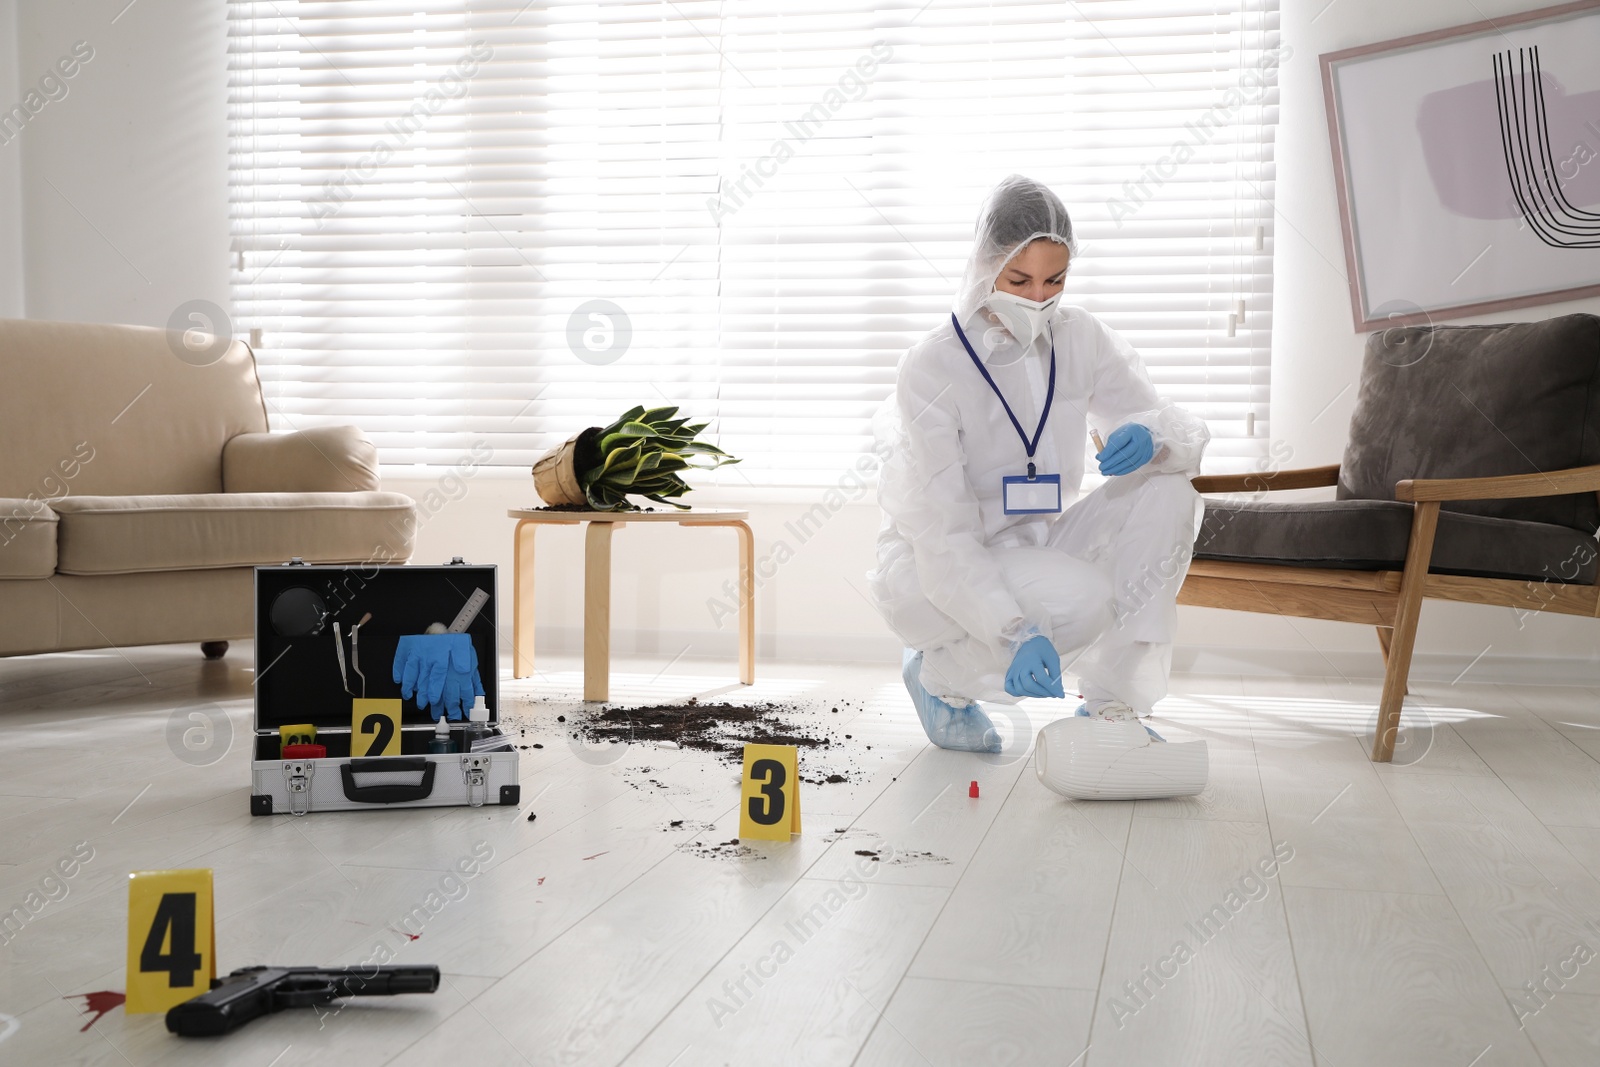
1373, 534
27, 539
1476, 401
129, 534
92, 409
323, 459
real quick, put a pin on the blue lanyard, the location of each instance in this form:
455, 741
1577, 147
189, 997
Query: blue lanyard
1049, 396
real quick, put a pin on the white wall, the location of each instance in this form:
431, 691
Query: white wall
11, 256
1317, 353
139, 147
125, 179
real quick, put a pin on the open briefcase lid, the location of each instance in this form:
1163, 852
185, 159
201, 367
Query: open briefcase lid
299, 676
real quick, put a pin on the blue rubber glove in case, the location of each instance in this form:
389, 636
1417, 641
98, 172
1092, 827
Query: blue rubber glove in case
1035, 670
1129, 447
440, 670
460, 687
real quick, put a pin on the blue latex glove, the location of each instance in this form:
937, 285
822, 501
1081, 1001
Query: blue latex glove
1035, 670
438, 669
460, 687
1129, 447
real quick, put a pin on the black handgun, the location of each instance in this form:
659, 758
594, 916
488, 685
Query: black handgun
252, 992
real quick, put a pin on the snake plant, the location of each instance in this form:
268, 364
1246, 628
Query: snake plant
641, 454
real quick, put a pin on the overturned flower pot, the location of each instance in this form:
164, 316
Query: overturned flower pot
640, 454
555, 476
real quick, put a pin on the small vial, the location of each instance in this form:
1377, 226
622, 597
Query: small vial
442, 743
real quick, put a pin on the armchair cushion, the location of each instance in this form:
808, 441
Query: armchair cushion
324, 459
1373, 534
27, 539
1478, 401
127, 535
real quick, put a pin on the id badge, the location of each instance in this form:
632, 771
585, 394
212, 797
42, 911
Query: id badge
1039, 495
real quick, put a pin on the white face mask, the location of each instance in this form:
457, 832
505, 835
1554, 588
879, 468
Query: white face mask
1024, 318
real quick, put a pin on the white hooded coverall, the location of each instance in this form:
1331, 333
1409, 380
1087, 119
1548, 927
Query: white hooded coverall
960, 580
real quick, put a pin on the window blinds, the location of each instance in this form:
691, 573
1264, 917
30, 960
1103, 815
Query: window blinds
496, 222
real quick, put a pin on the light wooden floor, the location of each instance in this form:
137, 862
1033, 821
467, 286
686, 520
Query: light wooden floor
1413, 903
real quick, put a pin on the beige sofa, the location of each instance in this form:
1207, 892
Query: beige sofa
138, 488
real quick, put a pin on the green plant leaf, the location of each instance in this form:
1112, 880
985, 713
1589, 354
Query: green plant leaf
627, 417
704, 448
605, 498
617, 460
630, 431
642, 453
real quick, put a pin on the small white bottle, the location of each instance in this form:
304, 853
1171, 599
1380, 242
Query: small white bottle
441, 743
477, 724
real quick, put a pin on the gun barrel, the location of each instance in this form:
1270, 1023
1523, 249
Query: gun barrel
383, 981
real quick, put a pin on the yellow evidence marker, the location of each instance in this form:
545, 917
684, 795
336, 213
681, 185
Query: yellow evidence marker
375, 727
300, 734
171, 938
769, 794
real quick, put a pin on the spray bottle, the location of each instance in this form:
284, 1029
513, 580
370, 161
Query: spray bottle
477, 726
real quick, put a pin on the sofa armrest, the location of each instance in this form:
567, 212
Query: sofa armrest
325, 459
1504, 487
1267, 481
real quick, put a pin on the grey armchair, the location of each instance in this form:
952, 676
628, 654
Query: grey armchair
1472, 474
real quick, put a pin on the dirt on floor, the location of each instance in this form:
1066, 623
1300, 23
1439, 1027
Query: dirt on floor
723, 729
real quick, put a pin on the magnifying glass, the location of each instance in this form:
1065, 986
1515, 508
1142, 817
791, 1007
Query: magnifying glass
297, 612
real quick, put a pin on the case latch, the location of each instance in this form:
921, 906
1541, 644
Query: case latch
475, 772
297, 781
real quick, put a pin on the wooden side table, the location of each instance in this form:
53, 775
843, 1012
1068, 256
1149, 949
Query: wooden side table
597, 585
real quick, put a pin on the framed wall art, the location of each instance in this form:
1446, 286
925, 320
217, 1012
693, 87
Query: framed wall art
1468, 166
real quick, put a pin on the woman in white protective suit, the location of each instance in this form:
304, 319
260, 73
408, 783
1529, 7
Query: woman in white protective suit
990, 568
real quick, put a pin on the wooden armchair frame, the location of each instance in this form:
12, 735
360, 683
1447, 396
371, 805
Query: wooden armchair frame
1391, 601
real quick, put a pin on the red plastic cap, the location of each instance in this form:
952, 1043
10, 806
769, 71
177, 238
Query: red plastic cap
305, 752
972, 790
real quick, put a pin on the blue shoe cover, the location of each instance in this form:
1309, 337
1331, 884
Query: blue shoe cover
965, 729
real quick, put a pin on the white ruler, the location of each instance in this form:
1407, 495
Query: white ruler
469, 611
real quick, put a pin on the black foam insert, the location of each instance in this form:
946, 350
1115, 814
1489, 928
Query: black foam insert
297, 678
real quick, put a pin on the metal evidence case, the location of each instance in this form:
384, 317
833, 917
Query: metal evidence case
316, 651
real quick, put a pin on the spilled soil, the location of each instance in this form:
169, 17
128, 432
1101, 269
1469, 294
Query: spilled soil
828, 756
721, 729
721, 850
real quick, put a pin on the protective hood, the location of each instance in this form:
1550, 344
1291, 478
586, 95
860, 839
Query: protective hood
1017, 211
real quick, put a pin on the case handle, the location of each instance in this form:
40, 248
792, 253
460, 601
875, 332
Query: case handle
389, 793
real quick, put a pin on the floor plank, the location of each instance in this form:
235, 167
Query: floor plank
835, 951
943, 1023
1035, 903
1199, 956
1396, 978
